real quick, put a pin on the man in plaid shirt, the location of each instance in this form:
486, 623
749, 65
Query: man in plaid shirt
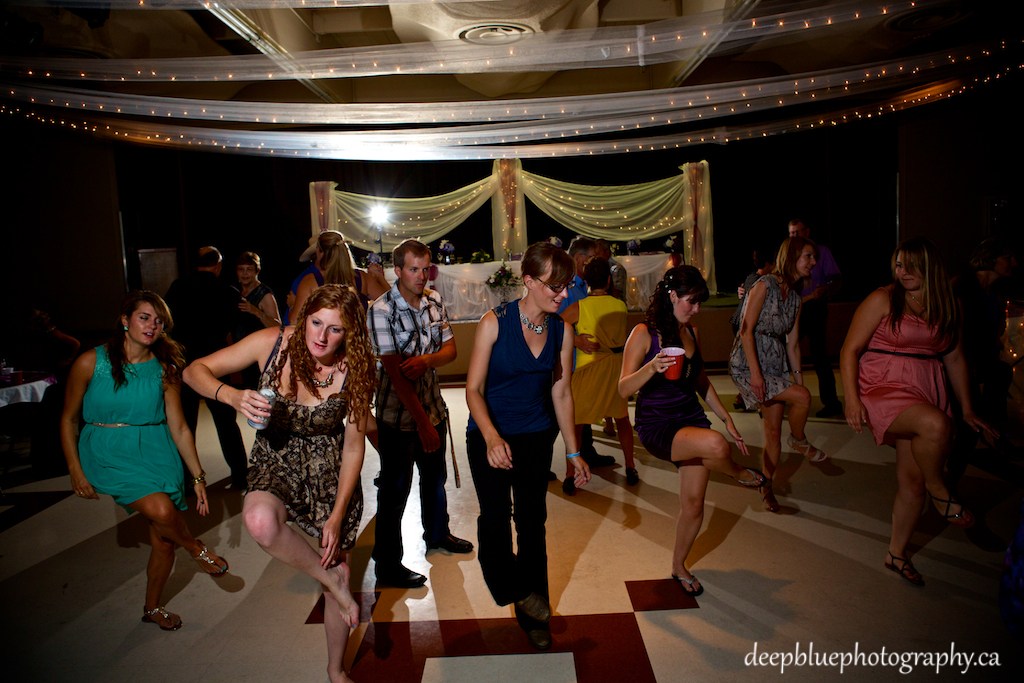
411, 335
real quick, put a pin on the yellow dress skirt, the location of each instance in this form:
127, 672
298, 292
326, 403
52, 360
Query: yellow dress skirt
595, 380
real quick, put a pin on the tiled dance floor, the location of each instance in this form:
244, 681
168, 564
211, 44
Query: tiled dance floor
72, 574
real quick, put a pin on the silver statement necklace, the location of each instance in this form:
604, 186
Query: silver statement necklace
539, 329
327, 382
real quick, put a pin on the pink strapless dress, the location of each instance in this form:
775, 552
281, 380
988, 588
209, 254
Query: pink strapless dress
889, 384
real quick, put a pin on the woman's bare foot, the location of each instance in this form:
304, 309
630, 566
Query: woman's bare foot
338, 677
340, 590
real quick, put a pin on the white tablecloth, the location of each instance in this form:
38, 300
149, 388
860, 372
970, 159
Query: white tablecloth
466, 295
30, 392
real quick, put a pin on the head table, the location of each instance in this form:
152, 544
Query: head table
463, 286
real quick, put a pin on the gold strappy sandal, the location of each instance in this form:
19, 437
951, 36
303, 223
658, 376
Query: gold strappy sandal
159, 612
205, 561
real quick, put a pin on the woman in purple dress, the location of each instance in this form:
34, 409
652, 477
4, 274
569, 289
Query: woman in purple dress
669, 418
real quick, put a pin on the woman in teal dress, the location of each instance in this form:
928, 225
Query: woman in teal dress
132, 433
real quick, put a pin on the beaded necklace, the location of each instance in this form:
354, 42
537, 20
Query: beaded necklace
539, 329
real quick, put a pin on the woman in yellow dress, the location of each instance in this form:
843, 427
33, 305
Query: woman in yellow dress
595, 378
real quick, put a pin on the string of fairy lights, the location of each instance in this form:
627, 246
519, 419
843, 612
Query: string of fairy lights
671, 40
399, 146
585, 114
233, 4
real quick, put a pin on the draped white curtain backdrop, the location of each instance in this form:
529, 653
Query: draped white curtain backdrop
425, 218
680, 204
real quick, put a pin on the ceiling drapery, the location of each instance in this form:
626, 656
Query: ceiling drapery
333, 146
680, 204
526, 119
657, 42
560, 127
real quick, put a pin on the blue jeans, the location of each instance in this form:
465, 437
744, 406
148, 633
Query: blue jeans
399, 450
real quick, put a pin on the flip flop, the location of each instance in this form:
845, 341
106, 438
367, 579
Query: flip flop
684, 582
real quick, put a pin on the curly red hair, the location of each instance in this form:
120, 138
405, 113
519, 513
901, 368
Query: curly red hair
357, 349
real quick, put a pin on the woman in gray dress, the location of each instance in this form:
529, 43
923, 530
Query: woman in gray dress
766, 353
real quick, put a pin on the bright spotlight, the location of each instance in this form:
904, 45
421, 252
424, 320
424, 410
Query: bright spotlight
379, 215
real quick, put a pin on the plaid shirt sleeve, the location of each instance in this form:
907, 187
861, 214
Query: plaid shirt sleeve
446, 326
381, 329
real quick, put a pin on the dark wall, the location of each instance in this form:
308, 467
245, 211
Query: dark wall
61, 237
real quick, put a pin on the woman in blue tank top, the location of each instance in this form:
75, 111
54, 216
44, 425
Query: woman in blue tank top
519, 394
669, 418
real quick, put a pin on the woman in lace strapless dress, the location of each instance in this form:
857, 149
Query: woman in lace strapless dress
766, 352
305, 464
902, 345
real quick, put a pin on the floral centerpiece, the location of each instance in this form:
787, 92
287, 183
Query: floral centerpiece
555, 241
446, 249
633, 246
674, 244
504, 281
480, 257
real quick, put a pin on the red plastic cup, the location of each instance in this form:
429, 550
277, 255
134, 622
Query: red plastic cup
678, 355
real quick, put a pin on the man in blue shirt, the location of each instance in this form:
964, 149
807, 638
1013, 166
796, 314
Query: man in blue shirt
582, 249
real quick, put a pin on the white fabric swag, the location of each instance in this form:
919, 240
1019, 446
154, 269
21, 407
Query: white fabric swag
679, 205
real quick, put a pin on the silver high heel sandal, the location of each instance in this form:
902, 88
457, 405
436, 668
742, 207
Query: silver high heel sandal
804, 448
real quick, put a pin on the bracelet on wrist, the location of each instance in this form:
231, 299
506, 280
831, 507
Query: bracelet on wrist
201, 479
572, 455
218, 391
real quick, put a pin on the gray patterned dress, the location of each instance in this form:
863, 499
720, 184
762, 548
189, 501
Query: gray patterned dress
298, 458
776, 320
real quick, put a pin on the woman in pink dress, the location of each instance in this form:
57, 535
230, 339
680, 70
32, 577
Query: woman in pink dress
903, 342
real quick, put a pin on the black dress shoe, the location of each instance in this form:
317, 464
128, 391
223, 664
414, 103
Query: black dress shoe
831, 410
535, 607
595, 459
569, 486
451, 544
400, 577
540, 638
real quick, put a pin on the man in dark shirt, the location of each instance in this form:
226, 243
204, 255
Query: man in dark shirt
202, 308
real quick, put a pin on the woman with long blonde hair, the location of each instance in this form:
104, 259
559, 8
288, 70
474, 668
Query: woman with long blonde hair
903, 344
766, 354
334, 260
305, 463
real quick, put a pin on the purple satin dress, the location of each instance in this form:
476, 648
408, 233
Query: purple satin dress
665, 406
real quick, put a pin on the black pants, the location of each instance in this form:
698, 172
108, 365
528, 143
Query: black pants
989, 388
399, 450
227, 433
813, 319
519, 494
